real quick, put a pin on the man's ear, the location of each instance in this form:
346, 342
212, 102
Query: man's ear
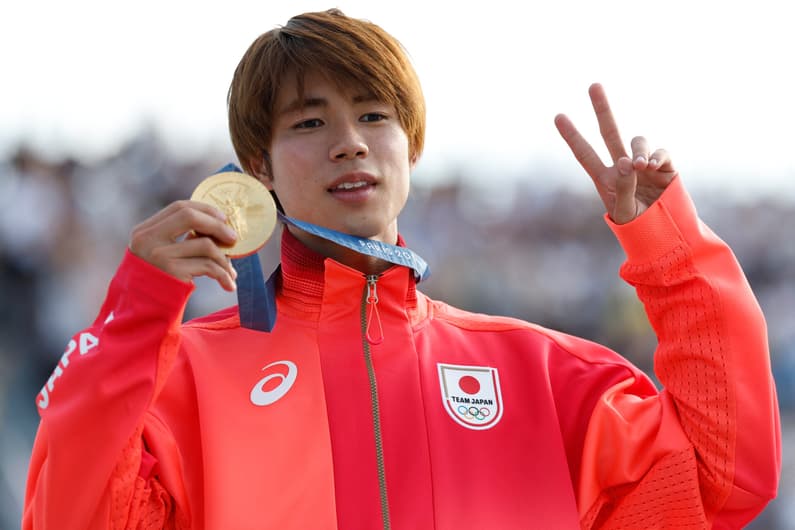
261, 170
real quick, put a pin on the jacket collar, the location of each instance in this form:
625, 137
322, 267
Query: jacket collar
306, 275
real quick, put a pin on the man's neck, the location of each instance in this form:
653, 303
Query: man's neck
362, 262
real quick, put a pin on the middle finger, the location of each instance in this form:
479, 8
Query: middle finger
607, 123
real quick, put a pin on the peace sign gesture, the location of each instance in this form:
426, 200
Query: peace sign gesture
630, 185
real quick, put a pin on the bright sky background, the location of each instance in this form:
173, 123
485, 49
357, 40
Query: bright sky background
711, 81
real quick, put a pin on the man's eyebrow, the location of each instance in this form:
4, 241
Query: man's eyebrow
364, 98
310, 102
302, 103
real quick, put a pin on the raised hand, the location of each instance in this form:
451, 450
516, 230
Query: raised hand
630, 185
183, 240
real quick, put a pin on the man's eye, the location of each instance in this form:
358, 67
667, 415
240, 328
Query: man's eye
309, 124
372, 116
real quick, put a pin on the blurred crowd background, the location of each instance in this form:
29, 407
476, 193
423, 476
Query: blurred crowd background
538, 254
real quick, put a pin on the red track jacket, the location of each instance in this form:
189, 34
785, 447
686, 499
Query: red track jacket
371, 406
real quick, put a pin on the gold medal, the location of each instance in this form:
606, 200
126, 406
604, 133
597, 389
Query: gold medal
248, 206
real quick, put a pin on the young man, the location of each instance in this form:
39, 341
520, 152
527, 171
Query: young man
369, 405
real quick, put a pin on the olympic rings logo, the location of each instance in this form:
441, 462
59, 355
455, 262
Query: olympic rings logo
474, 413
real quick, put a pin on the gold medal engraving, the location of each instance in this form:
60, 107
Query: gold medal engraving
248, 206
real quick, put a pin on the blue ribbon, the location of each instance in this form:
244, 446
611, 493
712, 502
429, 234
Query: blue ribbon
256, 298
378, 249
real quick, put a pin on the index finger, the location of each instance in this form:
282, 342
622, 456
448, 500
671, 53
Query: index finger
181, 217
582, 150
178, 205
607, 123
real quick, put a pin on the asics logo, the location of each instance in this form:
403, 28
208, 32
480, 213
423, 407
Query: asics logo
261, 397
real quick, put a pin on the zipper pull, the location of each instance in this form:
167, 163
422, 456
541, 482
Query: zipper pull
372, 311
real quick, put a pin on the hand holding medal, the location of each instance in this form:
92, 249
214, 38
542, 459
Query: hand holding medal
248, 206
231, 215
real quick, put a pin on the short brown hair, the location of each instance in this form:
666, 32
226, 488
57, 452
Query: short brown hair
349, 51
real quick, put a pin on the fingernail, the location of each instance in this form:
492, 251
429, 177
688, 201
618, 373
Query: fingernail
229, 231
234, 273
640, 159
653, 163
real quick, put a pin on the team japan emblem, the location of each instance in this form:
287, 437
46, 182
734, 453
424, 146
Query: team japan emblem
471, 395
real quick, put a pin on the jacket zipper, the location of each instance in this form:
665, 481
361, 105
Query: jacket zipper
371, 297
369, 310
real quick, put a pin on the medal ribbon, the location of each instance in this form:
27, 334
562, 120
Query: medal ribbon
256, 298
377, 249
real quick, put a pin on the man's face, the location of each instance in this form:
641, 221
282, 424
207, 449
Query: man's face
341, 161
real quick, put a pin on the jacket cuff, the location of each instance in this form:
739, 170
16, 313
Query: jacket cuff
670, 222
138, 276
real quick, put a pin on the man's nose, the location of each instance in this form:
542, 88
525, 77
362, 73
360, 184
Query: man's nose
348, 144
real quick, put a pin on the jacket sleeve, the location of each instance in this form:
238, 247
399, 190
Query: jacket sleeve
705, 452
90, 467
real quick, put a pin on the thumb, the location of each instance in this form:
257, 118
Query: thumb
626, 206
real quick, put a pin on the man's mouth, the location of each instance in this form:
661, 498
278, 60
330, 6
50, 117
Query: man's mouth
350, 185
